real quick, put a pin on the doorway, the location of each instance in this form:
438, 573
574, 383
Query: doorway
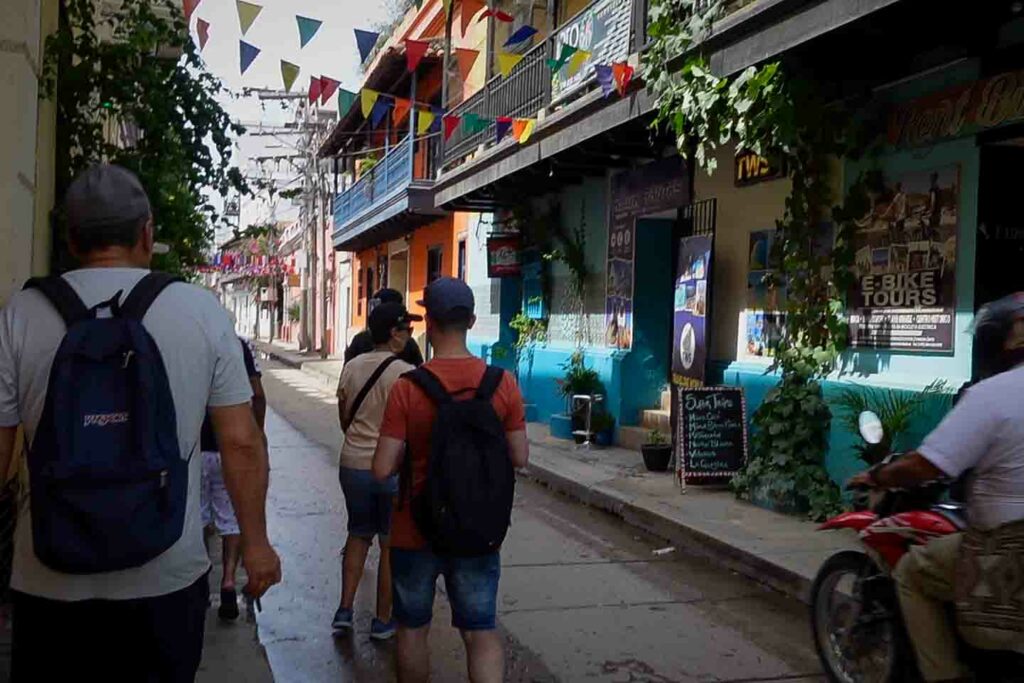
398, 273
1000, 241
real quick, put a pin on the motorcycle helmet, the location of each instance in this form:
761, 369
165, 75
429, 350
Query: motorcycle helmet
999, 335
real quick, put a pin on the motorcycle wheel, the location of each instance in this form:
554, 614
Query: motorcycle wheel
857, 638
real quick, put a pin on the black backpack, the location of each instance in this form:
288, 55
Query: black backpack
465, 508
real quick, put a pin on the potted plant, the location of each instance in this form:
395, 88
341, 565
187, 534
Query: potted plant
579, 380
602, 425
657, 451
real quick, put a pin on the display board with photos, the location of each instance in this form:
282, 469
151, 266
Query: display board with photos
690, 317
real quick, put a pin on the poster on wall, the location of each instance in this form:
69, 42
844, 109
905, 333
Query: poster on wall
765, 320
904, 294
650, 189
692, 300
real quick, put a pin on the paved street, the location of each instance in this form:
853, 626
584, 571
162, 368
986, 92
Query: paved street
583, 596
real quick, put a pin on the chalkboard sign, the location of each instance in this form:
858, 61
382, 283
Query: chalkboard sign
711, 434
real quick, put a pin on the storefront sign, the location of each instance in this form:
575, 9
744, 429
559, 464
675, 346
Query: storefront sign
904, 295
752, 168
960, 110
692, 300
711, 434
504, 256
653, 188
603, 29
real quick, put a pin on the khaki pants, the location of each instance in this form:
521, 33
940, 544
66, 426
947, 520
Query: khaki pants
925, 579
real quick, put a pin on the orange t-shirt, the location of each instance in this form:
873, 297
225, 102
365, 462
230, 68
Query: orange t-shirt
409, 417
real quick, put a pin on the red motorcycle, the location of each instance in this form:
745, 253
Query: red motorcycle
855, 614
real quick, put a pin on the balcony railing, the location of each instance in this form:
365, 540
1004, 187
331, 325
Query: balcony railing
393, 173
604, 28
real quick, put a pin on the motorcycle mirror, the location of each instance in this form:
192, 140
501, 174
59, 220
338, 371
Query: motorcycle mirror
870, 426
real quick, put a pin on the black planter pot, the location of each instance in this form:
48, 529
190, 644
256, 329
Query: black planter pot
656, 456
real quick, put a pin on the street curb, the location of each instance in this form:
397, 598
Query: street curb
275, 353
696, 542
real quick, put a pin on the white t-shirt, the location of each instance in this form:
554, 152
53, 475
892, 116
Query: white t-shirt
204, 365
985, 431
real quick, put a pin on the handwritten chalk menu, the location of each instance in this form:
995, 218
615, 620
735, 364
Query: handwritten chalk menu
711, 434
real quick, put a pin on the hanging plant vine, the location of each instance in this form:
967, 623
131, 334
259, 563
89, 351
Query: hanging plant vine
783, 118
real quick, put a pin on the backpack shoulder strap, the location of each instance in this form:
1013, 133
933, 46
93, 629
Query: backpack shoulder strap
361, 396
145, 293
493, 377
62, 296
430, 384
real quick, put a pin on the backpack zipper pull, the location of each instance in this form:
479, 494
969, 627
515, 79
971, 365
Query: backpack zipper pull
163, 479
127, 359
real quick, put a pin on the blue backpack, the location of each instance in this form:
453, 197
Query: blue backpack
108, 483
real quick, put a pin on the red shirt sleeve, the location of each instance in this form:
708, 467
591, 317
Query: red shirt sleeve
514, 416
396, 413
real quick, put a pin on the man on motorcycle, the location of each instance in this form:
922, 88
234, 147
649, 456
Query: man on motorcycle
984, 432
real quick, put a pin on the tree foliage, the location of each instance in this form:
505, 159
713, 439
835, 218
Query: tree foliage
131, 89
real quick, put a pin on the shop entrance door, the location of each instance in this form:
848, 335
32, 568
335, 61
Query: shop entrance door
1000, 242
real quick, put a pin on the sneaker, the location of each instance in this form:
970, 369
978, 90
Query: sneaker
380, 630
228, 610
342, 620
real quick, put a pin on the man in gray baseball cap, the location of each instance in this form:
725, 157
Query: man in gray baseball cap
156, 609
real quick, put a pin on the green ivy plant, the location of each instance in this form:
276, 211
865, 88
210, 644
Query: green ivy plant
763, 111
131, 89
529, 332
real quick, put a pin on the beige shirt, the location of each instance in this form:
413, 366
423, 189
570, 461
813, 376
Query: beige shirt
362, 434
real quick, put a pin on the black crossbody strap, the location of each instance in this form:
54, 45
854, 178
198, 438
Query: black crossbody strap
145, 293
361, 396
62, 296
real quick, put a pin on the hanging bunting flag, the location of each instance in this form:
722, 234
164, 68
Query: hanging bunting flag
438, 113
365, 40
327, 88
314, 88
203, 29
503, 124
289, 72
246, 53
467, 58
346, 98
508, 61
522, 34
577, 62
527, 131
499, 15
307, 29
623, 74
556, 64
603, 73
380, 110
474, 123
470, 8
247, 13
518, 126
447, 4
402, 107
450, 124
369, 99
189, 6
414, 52
424, 121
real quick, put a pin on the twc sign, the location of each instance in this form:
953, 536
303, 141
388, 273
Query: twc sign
752, 168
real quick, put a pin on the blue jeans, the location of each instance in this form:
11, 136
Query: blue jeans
471, 583
368, 502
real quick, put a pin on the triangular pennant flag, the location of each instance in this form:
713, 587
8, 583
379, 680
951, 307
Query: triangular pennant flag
447, 4
307, 29
603, 72
522, 34
369, 99
414, 52
499, 15
556, 64
450, 124
247, 13
203, 29
402, 107
503, 124
346, 98
528, 129
577, 62
518, 126
438, 113
327, 88
289, 72
246, 53
189, 6
467, 58
470, 8
623, 74
314, 88
424, 121
508, 61
365, 40
380, 110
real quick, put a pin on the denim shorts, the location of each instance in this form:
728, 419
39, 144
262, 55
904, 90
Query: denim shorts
471, 584
368, 502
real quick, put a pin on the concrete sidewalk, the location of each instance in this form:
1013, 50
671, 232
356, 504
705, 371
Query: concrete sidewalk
326, 370
778, 550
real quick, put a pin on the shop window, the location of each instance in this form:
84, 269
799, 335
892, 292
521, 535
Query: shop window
369, 288
462, 260
382, 271
434, 261
534, 305
360, 291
